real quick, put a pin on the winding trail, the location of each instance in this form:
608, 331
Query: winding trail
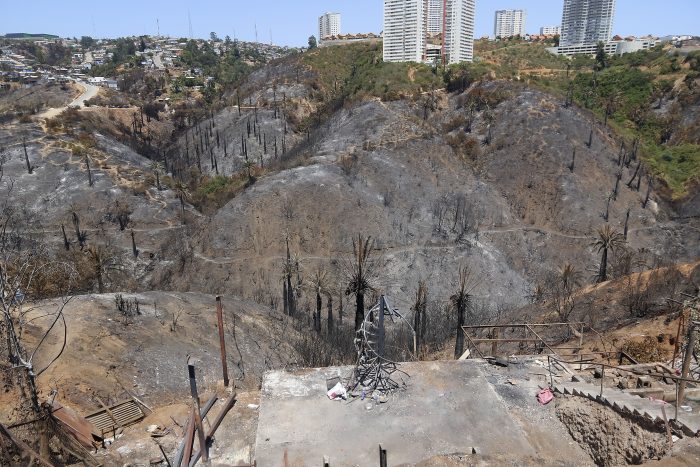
222, 260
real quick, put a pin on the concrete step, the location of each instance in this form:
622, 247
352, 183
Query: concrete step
690, 423
620, 400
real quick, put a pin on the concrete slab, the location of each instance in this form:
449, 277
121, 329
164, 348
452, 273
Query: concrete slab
448, 407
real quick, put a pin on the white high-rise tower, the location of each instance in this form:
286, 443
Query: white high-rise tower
404, 30
586, 22
509, 23
435, 16
328, 25
459, 31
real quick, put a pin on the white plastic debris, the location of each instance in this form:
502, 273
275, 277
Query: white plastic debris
337, 392
253, 406
151, 428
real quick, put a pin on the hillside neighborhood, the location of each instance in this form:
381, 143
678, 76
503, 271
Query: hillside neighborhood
470, 236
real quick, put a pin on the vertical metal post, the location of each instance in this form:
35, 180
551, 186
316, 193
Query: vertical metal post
686, 362
382, 457
197, 416
677, 404
676, 346
602, 378
222, 339
494, 344
549, 364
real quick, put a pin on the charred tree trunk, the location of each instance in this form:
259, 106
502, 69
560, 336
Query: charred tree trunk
89, 172
329, 307
459, 341
319, 304
636, 171
30, 169
627, 219
603, 272
285, 297
66, 243
359, 309
573, 161
340, 308
607, 209
134, 250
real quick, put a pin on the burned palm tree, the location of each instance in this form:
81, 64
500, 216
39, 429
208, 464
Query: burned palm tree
103, 261
183, 193
318, 286
419, 314
608, 240
289, 267
561, 287
361, 274
462, 303
157, 169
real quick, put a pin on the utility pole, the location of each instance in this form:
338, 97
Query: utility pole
189, 21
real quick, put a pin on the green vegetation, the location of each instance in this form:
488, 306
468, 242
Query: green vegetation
358, 70
212, 193
629, 92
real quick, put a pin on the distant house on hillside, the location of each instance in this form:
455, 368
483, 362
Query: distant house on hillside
349, 39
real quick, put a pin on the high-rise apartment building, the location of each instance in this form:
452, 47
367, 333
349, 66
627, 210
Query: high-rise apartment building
407, 24
435, 16
404, 30
459, 31
550, 30
586, 22
509, 23
328, 25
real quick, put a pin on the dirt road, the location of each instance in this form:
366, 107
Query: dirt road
89, 91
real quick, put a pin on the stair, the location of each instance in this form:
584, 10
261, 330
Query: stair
626, 403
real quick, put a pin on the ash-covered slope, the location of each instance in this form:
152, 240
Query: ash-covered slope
434, 197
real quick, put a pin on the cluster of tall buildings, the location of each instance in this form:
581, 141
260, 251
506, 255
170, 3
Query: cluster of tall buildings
443, 30
425, 30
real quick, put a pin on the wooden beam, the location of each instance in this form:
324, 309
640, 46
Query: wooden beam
24, 448
197, 415
215, 425
189, 439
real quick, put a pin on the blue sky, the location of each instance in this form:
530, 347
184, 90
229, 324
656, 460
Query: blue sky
291, 22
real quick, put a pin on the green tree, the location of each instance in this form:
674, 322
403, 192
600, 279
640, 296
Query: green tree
608, 240
312, 42
214, 37
601, 58
87, 42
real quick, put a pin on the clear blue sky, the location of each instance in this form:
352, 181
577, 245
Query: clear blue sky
293, 21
